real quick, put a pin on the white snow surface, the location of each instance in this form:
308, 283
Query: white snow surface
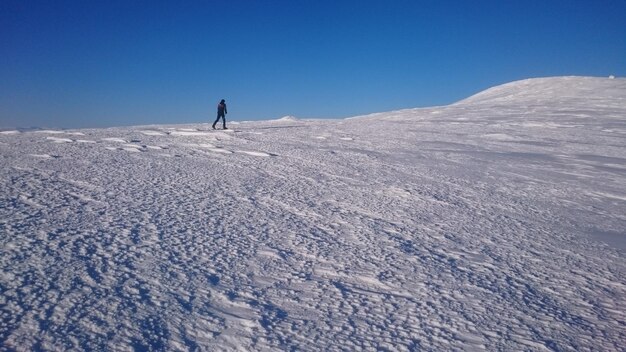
497, 223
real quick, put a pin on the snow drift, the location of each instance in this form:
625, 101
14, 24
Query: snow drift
482, 225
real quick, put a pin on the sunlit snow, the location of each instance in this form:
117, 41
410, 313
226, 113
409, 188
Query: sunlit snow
497, 223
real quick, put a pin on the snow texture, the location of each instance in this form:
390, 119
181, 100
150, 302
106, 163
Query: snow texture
497, 223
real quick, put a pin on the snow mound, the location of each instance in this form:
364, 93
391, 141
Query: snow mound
287, 118
550, 90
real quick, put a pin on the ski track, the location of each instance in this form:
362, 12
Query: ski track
466, 227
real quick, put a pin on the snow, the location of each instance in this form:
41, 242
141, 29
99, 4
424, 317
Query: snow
497, 223
287, 118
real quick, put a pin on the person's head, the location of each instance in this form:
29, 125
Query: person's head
223, 101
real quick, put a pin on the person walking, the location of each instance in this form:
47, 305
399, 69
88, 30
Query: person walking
221, 112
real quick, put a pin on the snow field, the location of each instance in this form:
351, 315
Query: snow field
467, 227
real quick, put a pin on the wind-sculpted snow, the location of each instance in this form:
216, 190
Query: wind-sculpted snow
474, 226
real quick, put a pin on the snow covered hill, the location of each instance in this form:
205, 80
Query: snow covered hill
551, 92
497, 223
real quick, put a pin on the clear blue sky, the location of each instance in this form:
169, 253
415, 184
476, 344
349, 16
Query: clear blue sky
112, 63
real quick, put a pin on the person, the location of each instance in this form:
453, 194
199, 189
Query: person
221, 112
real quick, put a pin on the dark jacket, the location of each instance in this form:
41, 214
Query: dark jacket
221, 109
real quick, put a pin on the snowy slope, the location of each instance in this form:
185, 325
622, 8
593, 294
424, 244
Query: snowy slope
496, 223
554, 92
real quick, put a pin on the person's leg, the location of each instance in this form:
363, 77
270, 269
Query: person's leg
224, 120
216, 120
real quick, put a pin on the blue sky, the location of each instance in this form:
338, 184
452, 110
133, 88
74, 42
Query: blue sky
111, 63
